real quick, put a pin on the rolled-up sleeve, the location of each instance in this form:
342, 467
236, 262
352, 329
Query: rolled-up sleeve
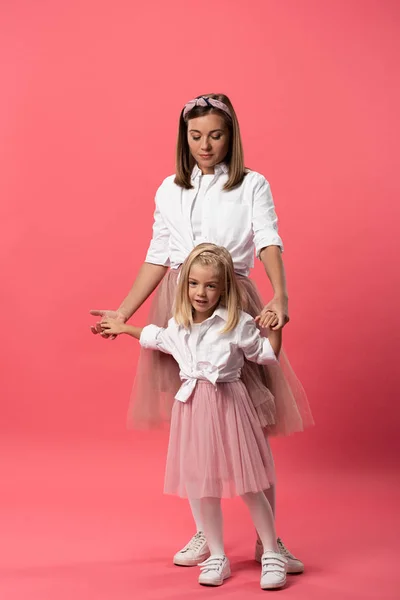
265, 220
158, 251
256, 348
156, 338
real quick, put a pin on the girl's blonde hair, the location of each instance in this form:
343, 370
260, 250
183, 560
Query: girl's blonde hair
234, 158
209, 255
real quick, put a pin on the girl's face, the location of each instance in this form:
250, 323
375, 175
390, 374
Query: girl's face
208, 139
205, 289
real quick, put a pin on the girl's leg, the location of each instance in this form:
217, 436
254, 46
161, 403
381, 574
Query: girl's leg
263, 519
212, 522
270, 495
215, 569
195, 506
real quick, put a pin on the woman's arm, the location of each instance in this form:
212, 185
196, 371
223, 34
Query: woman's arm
271, 257
269, 248
147, 280
150, 274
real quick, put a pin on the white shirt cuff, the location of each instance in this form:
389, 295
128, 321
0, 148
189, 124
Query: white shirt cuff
148, 337
157, 259
267, 353
268, 241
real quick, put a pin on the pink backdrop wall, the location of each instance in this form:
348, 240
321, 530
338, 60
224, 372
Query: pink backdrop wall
91, 93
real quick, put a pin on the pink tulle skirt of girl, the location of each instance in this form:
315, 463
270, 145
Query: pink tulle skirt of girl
217, 447
276, 394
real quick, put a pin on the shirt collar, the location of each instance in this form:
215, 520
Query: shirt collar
220, 312
221, 168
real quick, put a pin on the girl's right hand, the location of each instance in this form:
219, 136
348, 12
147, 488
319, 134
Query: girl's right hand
105, 314
111, 326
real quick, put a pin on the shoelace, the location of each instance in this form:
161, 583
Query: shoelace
195, 543
283, 550
214, 563
273, 564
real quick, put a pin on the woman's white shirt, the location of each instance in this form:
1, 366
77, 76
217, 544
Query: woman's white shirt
241, 220
207, 354
197, 208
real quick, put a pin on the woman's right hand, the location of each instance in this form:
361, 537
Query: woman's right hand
105, 314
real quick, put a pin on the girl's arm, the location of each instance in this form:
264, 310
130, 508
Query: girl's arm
150, 337
275, 339
256, 347
274, 335
114, 327
133, 331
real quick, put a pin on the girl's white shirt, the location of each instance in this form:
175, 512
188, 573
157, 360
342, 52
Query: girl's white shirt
241, 220
215, 357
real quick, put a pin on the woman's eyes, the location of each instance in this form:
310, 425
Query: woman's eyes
216, 137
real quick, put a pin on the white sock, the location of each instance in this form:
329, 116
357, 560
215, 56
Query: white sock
263, 519
211, 514
196, 512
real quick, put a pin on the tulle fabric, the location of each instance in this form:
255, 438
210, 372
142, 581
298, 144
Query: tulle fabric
217, 447
277, 395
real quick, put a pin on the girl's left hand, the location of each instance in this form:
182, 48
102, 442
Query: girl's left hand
278, 307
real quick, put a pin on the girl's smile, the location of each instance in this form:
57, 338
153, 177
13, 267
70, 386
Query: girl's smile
205, 289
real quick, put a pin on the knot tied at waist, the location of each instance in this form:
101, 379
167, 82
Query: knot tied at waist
203, 372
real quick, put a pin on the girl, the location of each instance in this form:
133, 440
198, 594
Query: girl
217, 447
213, 198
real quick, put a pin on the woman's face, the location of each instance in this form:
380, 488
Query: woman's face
208, 138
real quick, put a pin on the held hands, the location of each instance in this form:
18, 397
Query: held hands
112, 327
269, 320
114, 315
275, 314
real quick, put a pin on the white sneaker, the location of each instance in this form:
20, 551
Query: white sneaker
194, 552
273, 571
294, 565
214, 570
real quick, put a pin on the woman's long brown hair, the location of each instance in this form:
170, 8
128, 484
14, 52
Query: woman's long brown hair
234, 158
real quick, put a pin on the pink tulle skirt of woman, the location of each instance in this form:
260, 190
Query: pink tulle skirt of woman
276, 394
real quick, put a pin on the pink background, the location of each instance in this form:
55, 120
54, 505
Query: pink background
89, 105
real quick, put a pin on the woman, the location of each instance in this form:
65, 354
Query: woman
213, 198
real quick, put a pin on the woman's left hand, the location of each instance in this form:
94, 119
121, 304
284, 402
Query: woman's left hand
279, 306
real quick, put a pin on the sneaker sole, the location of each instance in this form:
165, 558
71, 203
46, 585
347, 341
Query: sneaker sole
290, 571
214, 583
190, 562
272, 586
